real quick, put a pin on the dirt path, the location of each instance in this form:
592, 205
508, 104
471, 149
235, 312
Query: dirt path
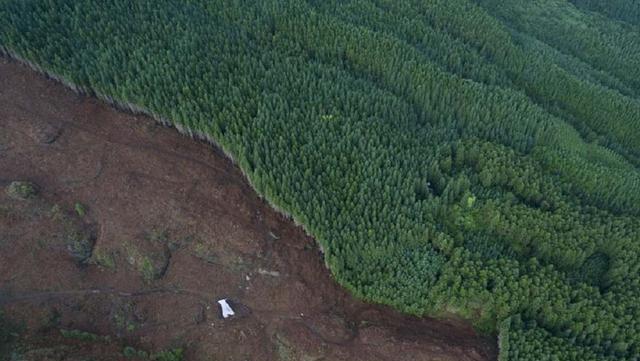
168, 226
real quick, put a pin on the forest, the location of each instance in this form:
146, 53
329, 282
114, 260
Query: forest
471, 157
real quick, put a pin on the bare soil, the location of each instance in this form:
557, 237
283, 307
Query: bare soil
137, 231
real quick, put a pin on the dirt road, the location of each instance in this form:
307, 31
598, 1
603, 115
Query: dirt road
137, 231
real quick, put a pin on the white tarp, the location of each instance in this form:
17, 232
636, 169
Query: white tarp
226, 309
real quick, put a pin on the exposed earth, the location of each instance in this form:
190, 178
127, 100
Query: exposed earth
126, 235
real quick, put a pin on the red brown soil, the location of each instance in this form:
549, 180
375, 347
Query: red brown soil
150, 192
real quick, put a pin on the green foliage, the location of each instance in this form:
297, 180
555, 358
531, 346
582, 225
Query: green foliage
521, 342
151, 264
478, 157
8, 337
623, 10
147, 269
105, 258
176, 354
80, 335
21, 190
131, 352
80, 209
79, 244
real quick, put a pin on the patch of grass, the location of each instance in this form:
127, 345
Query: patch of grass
130, 352
81, 209
150, 264
125, 317
80, 335
6, 211
203, 252
132, 253
42, 243
176, 354
284, 349
9, 332
140, 262
21, 190
51, 320
120, 320
159, 235
79, 244
123, 323
106, 259
56, 213
147, 269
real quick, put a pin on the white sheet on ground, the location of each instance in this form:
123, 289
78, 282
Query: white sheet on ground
226, 309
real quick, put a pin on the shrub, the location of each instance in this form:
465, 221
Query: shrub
22, 190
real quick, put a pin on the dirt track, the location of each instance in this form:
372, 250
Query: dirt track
173, 227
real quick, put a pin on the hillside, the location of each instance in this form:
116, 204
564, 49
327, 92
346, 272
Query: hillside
167, 226
471, 157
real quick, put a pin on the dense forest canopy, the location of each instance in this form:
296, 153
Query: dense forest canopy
476, 157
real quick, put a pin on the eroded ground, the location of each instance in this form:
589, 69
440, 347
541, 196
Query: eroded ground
136, 232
